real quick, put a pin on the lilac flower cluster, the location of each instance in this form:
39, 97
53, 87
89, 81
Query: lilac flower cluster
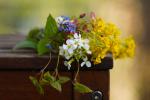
65, 24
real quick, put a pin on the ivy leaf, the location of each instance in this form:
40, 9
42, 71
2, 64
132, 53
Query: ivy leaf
26, 44
63, 79
56, 85
81, 88
48, 77
41, 47
51, 28
36, 84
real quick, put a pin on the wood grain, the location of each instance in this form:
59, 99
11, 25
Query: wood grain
15, 85
17, 65
96, 80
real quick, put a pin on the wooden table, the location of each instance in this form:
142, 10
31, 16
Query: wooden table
16, 67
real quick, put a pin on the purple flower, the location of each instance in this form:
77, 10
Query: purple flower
67, 27
65, 24
66, 18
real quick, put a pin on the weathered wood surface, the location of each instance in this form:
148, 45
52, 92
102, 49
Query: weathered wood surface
17, 65
9, 40
15, 85
96, 80
28, 59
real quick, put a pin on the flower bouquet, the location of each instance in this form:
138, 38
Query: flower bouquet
85, 39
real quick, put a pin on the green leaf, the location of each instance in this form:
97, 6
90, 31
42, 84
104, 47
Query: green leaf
48, 77
43, 82
41, 47
36, 84
51, 80
33, 35
56, 85
81, 88
26, 44
63, 79
51, 28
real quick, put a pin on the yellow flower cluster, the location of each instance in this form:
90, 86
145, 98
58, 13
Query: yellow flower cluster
130, 47
99, 47
126, 48
104, 38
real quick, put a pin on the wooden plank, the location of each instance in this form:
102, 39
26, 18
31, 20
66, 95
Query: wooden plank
96, 80
15, 85
28, 59
32, 61
9, 40
16, 66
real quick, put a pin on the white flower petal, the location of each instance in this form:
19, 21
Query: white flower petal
85, 59
79, 36
70, 42
59, 20
89, 52
69, 67
86, 46
70, 50
80, 43
65, 47
67, 64
88, 64
67, 56
74, 46
82, 64
75, 35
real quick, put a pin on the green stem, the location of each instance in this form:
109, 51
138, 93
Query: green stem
77, 73
46, 64
42, 71
56, 69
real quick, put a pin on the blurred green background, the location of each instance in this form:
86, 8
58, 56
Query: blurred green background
130, 78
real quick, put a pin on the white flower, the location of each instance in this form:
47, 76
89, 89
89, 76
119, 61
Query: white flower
67, 55
89, 52
86, 62
70, 42
76, 48
67, 64
86, 46
77, 36
59, 20
65, 47
70, 50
